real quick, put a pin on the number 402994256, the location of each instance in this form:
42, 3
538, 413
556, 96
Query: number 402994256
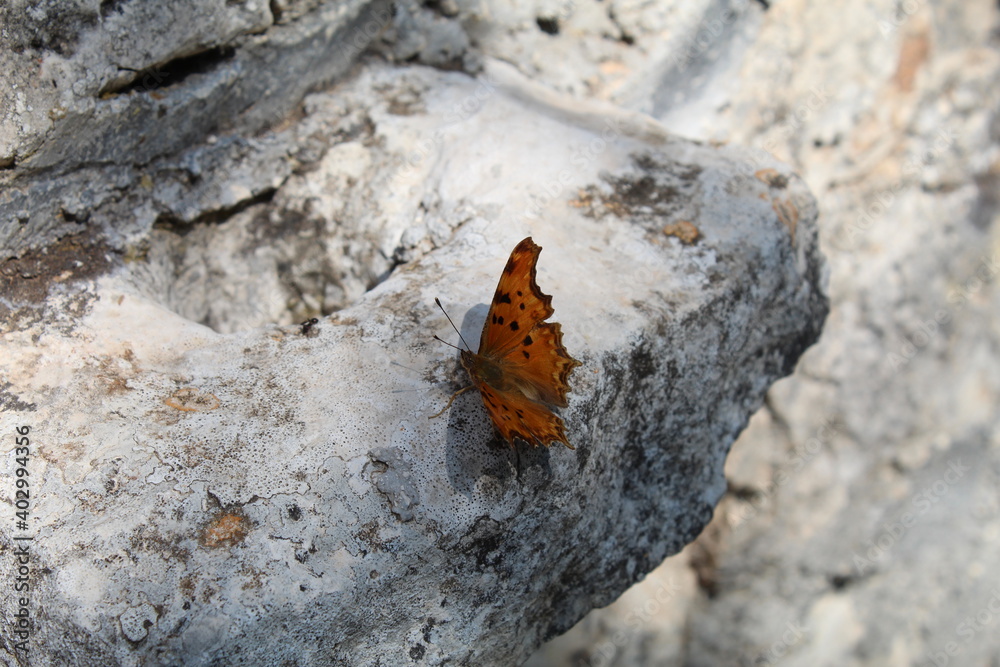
21, 453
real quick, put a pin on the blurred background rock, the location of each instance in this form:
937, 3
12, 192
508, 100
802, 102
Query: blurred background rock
861, 526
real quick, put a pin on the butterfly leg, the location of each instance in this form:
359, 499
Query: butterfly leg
452, 400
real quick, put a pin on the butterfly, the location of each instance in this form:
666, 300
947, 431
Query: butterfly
522, 367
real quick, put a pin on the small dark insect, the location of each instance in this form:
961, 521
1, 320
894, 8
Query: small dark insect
307, 326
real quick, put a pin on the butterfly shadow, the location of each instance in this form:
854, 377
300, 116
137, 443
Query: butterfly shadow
475, 450
477, 457
475, 453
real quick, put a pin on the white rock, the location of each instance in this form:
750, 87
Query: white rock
282, 496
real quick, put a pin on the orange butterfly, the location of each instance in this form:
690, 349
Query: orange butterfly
521, 366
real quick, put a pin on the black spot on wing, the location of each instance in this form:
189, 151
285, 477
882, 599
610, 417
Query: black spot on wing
489, 399
526, 355
527, 340
502, 298
514, 326
522, 306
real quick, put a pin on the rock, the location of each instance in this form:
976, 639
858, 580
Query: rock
86, 150
246, 492
890, 114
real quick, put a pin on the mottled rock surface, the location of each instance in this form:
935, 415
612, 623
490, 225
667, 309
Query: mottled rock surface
862, 521
214, 484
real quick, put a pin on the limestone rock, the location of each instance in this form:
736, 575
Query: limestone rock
212, 483
890, 113
129, 86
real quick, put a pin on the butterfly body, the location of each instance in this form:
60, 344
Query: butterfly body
497, 375
484, 370
521, 367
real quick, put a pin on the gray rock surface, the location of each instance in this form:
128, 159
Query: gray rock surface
213, 484
848, 536
129, 85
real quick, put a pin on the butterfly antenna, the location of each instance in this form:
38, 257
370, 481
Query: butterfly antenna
442, 340
438, 302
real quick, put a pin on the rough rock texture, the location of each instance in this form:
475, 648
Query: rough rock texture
862, 521
211, 488
97, 103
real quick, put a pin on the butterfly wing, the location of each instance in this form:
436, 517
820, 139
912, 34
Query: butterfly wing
516, 416
518, 304
515, 336
540, 366
522, 364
